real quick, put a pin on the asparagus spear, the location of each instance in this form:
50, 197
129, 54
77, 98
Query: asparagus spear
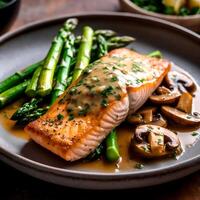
18, 77
45, 81
96, 153
105, 33
31, 116
84, 52
13, 93
156, 54
119, 41
112, 150
101, 46
64, 68
26, 108
31, 89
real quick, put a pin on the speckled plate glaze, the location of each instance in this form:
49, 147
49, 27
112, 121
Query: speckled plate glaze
30, 44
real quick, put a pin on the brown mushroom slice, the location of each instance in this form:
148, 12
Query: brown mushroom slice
163, 90
185, 103
147, 113
152, 141
180, 117
135, 118
158, 120
173, 78
156, 142
144, 115
164, 99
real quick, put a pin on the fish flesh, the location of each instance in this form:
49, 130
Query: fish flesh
112, 87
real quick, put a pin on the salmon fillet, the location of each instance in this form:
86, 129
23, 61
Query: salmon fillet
111, 88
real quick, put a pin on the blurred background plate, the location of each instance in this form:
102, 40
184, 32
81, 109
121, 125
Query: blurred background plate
192, 21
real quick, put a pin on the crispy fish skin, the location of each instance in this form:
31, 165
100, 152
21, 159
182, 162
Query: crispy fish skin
137, 77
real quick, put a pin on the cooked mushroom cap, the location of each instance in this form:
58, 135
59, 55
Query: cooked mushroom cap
173, 78
158, 120
163, 90
180, 117
154, 141
164, 99
144, 115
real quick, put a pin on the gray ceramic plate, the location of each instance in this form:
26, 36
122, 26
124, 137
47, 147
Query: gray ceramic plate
31, 43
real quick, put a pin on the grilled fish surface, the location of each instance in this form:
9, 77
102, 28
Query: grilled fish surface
113, 87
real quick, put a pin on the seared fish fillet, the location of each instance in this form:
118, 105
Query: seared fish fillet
113, 87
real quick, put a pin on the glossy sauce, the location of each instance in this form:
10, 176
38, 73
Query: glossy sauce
106, 80
125, 132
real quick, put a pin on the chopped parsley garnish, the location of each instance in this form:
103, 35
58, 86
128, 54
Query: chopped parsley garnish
140, 80
139, 166
195, 133
60, 116
136, 67
113, 79
104, 103
84, 111
71, 116
108, 91
73, 90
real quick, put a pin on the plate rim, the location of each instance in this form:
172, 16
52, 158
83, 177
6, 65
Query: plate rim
93, 175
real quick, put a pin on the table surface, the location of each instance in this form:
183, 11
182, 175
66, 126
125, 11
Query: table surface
16, 185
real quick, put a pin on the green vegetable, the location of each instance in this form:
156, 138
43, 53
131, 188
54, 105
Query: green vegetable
102, 47
105, 33
84, 52
26, 108
32, 116
156, 54
13, 93
168, 10
184, 11
119, 41
63, 69
31, 89
112, 149
3, 3
45, 81
18, 77
96, 153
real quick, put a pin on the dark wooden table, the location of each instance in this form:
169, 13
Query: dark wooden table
16, 185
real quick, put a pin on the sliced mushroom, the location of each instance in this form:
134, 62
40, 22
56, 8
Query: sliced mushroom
158, 120
163, 99
185, 103
152, 141
163, 90
181, 117
173, 78
144, 115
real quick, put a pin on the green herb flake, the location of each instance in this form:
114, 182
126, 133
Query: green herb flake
113, 79
139, 166
140, 80
195, 133
104, 103
71, 116
73, 90
107, 91
136, 67
60, 116
84, 111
